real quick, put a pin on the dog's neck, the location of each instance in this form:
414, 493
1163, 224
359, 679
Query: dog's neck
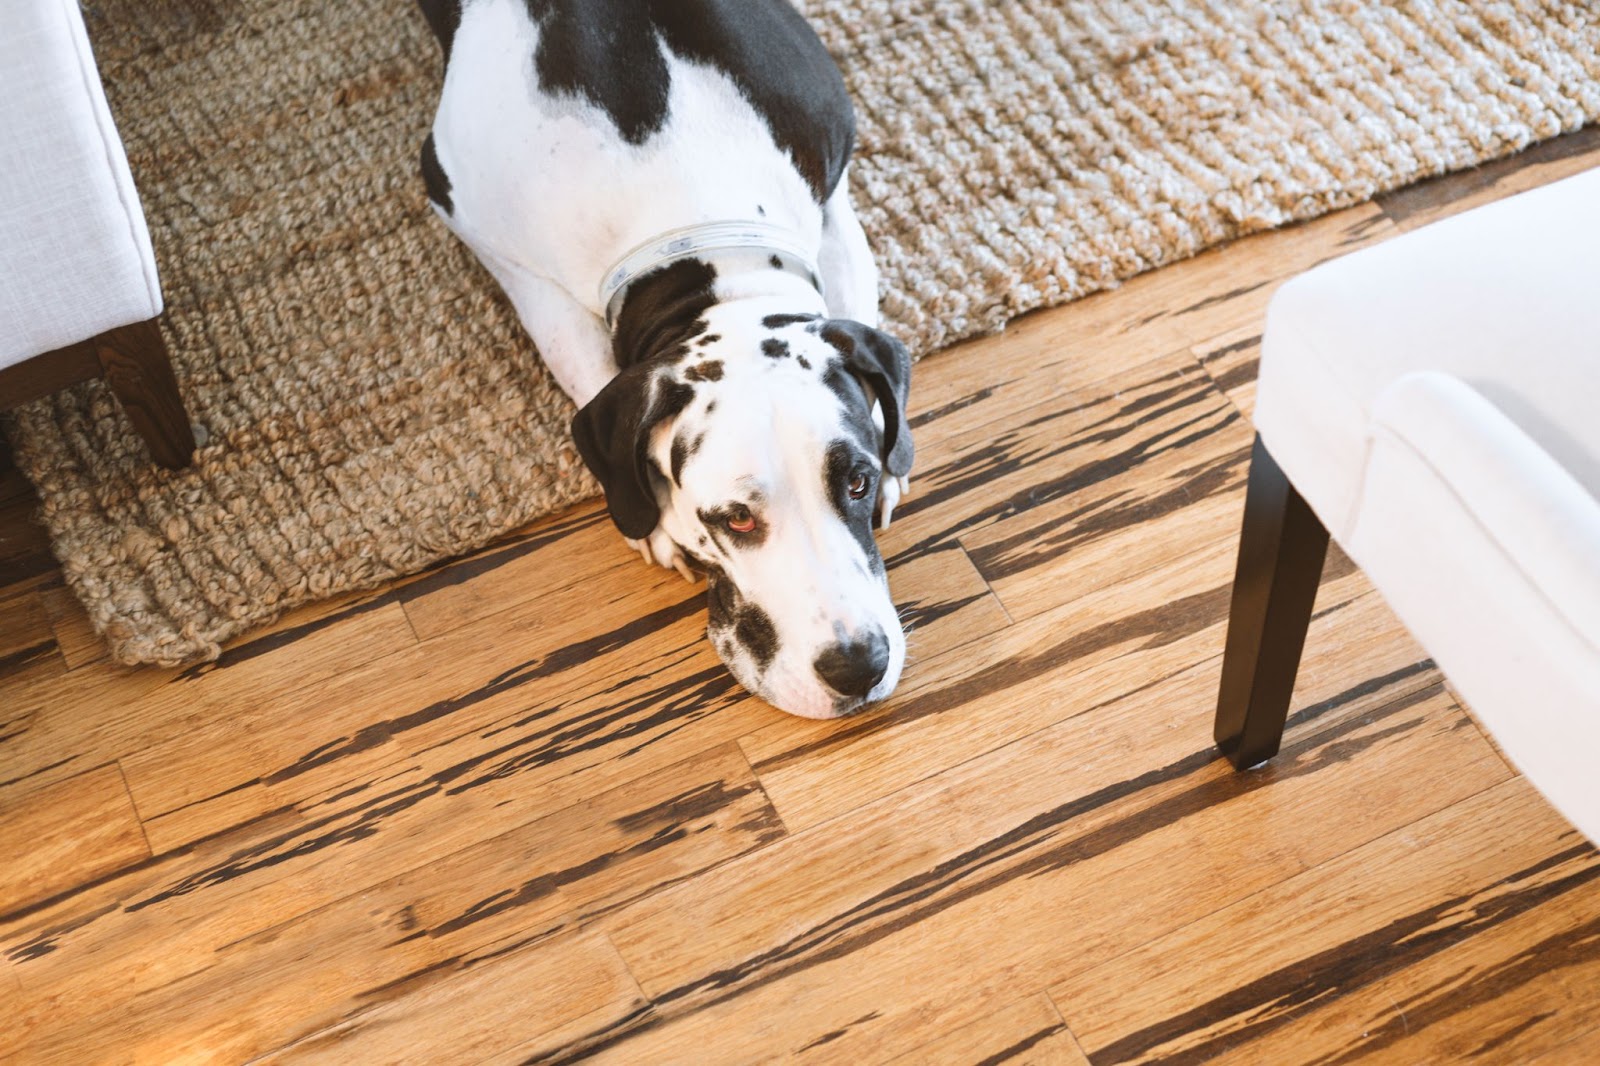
664, 310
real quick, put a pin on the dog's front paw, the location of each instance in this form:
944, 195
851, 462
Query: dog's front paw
658, 549
889, 496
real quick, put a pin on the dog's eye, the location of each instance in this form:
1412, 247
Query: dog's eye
858, 485
740, 520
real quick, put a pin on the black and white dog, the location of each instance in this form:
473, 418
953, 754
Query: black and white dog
660, 188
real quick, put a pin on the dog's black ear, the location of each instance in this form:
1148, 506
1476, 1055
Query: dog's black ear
612, 433
885, 365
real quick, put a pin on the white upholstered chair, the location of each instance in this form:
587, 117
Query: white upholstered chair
79, 293
1433, 402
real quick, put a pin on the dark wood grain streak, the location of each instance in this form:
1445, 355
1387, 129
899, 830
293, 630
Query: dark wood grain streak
1022, 1046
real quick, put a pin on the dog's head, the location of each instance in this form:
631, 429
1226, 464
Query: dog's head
760, 446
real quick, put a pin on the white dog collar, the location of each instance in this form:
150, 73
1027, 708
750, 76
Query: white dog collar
693, 241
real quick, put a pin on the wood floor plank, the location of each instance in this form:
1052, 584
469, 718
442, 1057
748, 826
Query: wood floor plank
243, 892
26, 639
1551, 160
105, 711
1031, 1032
940, 413
226, 741
1518, 984
78, 719
1342, 931
1233, 360
1577, 1051
859, 915
597, 855
222, 1002
1050, 452
80, 645
572, 548
946, 603
1158, 475
61, 835
26, 561
344, 981
517, 1003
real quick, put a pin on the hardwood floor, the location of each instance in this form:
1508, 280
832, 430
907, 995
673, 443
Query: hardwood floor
514, 809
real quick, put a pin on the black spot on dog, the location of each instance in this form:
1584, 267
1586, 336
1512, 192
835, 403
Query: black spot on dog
722, 599
661, 312
709, 338
684, 449
673, 398
761, 211
779, 321
680, 455
434, 179
805, 364
443, 17
610, 53
777, 263
773, 348
756, 634
710, 370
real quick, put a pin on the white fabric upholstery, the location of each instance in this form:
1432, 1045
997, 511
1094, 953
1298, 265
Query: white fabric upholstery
1490, 552
1436, 400
75, 256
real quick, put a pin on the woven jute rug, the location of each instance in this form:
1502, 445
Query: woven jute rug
371, 404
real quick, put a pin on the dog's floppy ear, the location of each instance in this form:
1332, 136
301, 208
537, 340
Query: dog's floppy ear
885, 365
612, 433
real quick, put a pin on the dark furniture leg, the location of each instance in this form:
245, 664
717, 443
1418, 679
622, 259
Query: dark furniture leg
1281, 551
136, 365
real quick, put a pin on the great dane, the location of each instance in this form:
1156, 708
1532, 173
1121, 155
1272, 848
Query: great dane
660, 187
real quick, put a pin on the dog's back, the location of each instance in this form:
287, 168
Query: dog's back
570, 130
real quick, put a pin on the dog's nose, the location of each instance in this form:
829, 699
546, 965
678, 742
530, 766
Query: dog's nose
854, 667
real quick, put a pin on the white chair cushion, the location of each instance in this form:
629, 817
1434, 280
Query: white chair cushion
1436, 400
1506, 297
75, 256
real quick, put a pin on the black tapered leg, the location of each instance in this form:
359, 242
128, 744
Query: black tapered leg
1281, 551
139, 371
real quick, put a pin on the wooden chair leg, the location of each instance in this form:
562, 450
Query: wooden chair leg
1281, 552
138, 369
